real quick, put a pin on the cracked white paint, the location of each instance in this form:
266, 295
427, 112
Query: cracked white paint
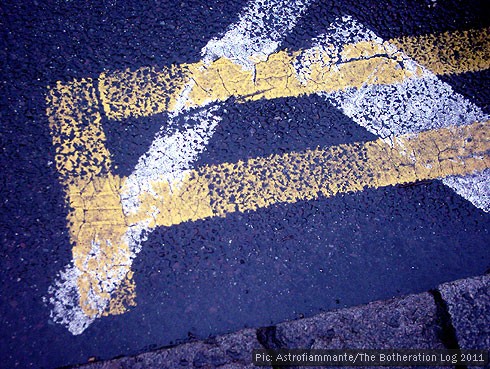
414, 105
259, 31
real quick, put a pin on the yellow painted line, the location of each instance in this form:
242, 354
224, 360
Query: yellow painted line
218, 190
82, 159
296, 176
134, 93
76, 127
449, 52
96, 222
149, 91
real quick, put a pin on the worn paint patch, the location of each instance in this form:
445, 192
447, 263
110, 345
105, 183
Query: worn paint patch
141, 92
449, 52
474, 187
75, 122
414, 104
291, 177
110, 216
259, 31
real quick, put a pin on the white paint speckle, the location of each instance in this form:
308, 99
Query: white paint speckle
259, 31
417, 104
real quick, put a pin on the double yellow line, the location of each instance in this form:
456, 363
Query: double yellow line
76, 109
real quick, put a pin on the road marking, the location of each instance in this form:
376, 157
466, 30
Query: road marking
261, 27
76, 127
107, 235
448, 52
415, 104
150, 90
218, 190
215, 191
100, 281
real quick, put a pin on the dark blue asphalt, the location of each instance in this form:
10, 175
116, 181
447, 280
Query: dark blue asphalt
219, 275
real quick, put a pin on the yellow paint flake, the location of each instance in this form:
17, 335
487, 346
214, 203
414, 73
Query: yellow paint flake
76, 127
124, 298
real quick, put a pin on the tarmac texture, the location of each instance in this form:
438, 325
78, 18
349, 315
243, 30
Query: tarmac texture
458, 320
173, 171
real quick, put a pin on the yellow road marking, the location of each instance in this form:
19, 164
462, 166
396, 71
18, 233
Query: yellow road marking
82, 159
149, 91
449, 52
218, 190
127, 93
76, 126
96, 221
295, 176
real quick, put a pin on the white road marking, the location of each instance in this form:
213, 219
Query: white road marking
415, 105
259, 31
65, 296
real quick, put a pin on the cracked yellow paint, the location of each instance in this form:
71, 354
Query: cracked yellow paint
98, 226
449, 52
186, 201
291, 177
148, 91
97, 223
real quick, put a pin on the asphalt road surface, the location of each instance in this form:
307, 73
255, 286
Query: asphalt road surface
174, 170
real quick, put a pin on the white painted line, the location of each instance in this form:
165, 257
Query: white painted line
259, 31
415, 105
261, 27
